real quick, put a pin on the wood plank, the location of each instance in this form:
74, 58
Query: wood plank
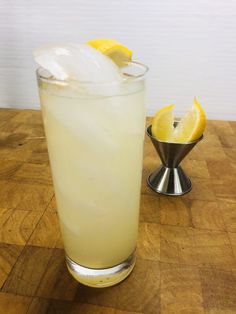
39, 151
175, 211
230, 154
7, 114
15, 146
181, 290
91, 309
202, 189
228, 211
218, 290
24, 196
56, 282
196, 247
149, 208
224, 189
39, 306
47, 232
232, 239
13, 304
148, 246
207, 215
35, 197
33, 117
28, 271
204, 152
8, 168
30, 173
31, 130
196, 168
216, 170
18, 227
8, 257
52, 206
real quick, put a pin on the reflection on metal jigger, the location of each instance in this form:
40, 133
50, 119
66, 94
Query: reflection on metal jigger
169, 178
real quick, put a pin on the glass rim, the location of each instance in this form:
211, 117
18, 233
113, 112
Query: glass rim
131, 78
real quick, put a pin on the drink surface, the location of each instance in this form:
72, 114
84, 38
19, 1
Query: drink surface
95, 145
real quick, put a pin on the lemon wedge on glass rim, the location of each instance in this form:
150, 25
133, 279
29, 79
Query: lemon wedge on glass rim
112, 49
189, 128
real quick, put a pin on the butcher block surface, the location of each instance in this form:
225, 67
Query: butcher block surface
186, 252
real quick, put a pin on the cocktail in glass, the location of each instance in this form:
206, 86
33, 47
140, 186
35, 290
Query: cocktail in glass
95, 135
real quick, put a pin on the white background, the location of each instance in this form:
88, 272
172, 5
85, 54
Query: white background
189, 45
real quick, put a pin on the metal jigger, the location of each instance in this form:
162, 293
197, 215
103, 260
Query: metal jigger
169, 178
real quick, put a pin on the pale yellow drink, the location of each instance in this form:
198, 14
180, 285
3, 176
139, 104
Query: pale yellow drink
95, 143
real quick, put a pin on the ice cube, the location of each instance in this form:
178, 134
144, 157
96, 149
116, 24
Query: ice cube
77, 62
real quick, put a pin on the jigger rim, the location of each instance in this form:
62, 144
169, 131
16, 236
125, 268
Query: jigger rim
148, 132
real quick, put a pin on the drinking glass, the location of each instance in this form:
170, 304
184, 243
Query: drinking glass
95, 134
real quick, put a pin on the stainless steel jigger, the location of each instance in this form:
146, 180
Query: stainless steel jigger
169, 178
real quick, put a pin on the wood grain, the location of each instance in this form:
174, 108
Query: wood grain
8, 168
8, 257
181, 290
218, 289
202, 190
228, 211
34, 174
15, 146
140, 291
207, 153
149, 208
196, 247
207, 215
232, 238
28, 271
175, 211
224, 189
196, 168
186, 251
13, 304
38, 305
52, 206
47, 232
18, 227
56, 282
148, 246
39, 153
24, 196
6, 115
91, 309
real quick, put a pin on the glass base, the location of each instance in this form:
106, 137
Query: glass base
103, 277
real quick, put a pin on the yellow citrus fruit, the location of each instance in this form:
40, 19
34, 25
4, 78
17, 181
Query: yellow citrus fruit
162, 124
111, 48
192, 125
189, 128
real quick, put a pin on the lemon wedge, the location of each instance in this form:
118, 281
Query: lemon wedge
111, 48
162, 124
189, 128
192, 125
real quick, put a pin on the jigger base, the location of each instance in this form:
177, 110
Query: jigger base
169, 181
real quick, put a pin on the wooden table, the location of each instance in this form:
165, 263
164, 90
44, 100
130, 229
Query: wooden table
186, 248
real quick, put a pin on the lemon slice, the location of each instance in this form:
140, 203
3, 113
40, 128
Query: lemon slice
162, 124
114, 50
191, 126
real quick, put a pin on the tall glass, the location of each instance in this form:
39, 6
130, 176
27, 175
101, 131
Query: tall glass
95, 138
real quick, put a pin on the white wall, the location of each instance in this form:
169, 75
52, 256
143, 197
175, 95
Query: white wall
189, 45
